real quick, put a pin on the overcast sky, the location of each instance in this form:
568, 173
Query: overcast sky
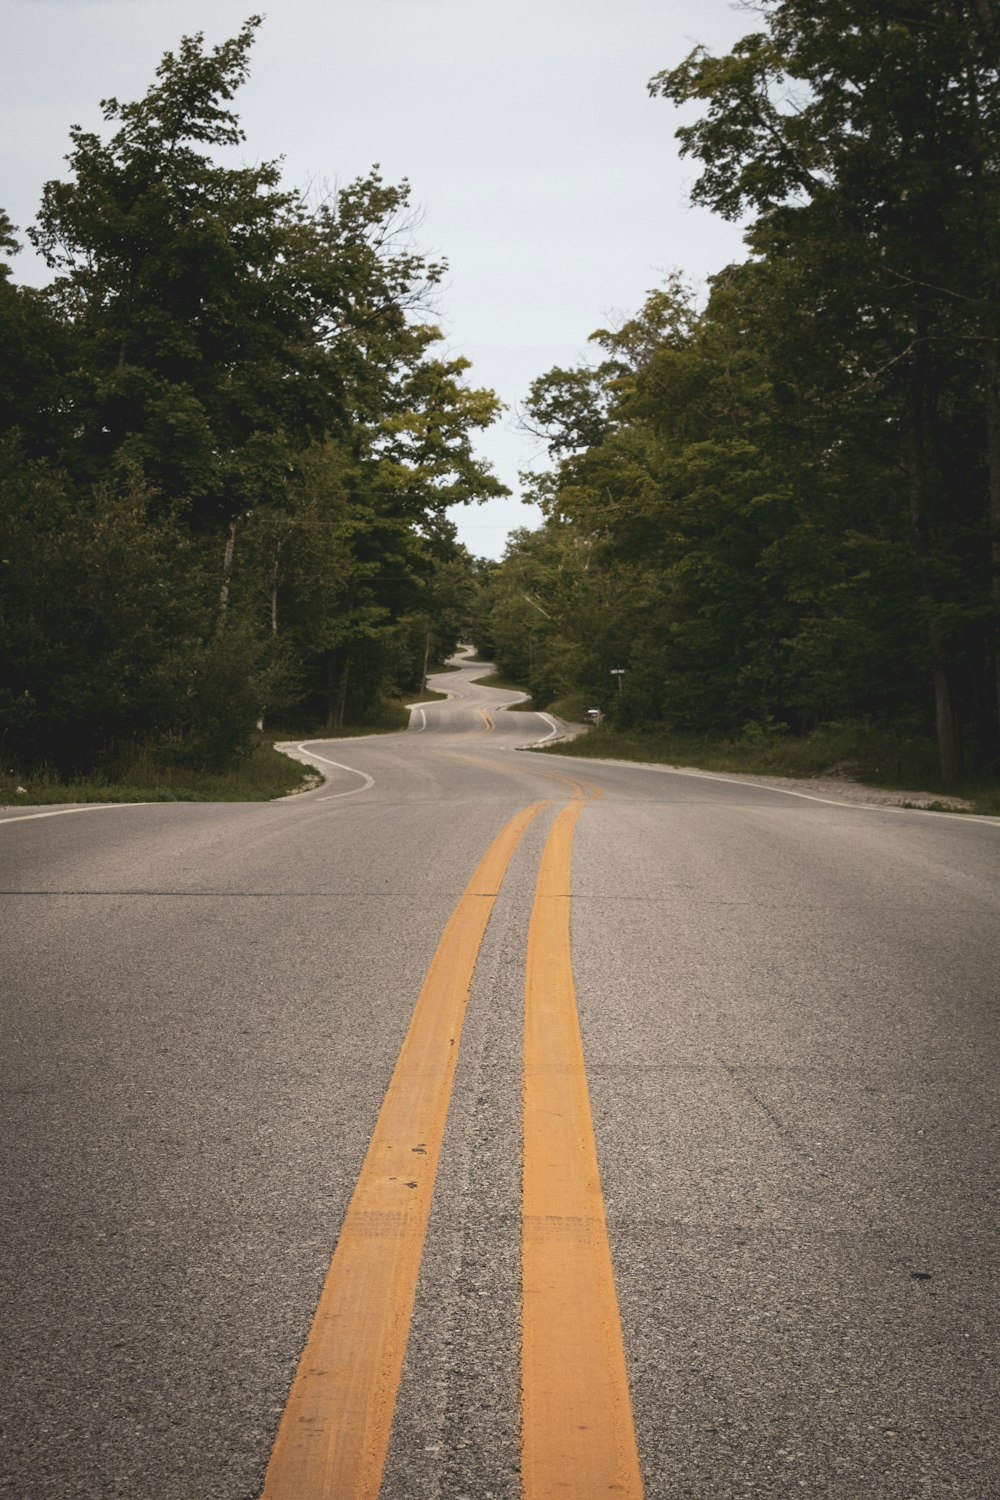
546, 175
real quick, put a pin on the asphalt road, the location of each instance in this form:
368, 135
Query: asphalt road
788, 1011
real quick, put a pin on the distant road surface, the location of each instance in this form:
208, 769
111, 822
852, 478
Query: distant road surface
283, 1215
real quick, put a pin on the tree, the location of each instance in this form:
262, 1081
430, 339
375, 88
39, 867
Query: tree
254, 379
109, 629
34, 353
868, 141
200, 360
749, 565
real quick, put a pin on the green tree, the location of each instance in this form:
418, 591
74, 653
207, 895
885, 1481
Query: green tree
736, 518
866, 139
255, 379
34, 354
202, 359
109, 629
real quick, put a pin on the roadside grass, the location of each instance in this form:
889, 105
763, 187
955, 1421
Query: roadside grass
141, 775
850, 752
391, 717
571, 708
260, 776
495, 680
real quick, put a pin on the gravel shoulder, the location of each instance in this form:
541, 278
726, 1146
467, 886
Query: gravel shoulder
842, 788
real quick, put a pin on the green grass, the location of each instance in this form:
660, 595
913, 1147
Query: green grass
258, 777
856, 753
494, 680
571, 708
391, 717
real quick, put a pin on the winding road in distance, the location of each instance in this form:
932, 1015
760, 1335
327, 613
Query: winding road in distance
283, 1215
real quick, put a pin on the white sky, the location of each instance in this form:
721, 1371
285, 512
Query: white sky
546, 175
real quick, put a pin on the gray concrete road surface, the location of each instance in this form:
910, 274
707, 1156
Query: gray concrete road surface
789, 1018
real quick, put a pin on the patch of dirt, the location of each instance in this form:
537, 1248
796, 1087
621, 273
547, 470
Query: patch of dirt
309, 784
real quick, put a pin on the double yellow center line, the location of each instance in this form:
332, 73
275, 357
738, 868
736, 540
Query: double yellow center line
577, 1436
577, 1433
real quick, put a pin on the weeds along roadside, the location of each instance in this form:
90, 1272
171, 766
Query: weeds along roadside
142, 775
847, 753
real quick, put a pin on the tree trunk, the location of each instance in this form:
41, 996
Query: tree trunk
227, 568
275, 575
992, 386
985, 193
338, 695
944, 714
919, 482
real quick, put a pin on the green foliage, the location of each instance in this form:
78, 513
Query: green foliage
142, 775
110, 628
867, 138
783, 508
230, 444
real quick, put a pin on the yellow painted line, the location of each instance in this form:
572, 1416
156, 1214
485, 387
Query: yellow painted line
586, 789
333, 1436
486, 720
577, 1437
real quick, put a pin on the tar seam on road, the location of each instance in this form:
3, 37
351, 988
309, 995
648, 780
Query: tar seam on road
334, 1433
577, 1432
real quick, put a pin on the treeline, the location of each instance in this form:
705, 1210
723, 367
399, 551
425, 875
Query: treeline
781, 509
227, 443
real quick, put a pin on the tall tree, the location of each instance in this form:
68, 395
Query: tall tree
867, 136
34, 353
200, 356
257, 377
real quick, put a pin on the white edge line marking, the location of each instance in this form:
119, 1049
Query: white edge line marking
782, 791
553, 731
368, 781
64, 812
